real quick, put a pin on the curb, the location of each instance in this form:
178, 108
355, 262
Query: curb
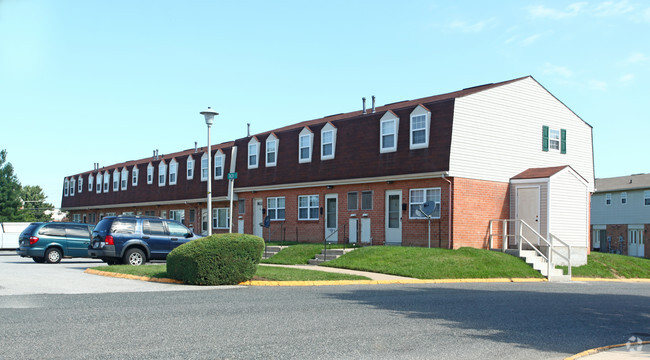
632, 280
131, 277
600, 349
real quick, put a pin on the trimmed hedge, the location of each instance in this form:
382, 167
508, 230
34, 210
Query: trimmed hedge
223, 259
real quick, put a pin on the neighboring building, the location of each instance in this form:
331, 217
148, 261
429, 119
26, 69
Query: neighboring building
620, 215
480, 153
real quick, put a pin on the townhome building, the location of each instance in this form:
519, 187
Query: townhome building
507, 150
620, 215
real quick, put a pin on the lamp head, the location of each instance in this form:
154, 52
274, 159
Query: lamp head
209, 115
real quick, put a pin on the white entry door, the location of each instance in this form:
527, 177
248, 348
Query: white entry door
258, 218
331, 218
394, 217
353, 226
528, 211
635, 242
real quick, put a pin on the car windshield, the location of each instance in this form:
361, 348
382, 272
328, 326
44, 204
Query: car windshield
103, 225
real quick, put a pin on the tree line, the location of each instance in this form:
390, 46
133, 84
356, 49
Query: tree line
17, 202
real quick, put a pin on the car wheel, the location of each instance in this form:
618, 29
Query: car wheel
134, 257
53, 255
39, 260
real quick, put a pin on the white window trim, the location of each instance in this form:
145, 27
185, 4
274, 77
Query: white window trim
80, 185
425, 199
328, 128
272, 139
66, 187
124, 179
162, 173
189, 173
207, 171
276, 208
73, 184
256, 153
107, 181
309, 207
559, 139
305, 132
219, 154
173, 169
135, 175
388, 117
646, 196
420, 111
150, 171
215, 218
91, 178
100, 181
608, 199
116, 180
624, 197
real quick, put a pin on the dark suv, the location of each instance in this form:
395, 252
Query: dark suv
52, 241
135, 240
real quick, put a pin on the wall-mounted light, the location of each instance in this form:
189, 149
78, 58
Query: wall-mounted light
389, 182
330, 186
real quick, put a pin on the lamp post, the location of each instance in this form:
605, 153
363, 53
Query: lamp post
209, 119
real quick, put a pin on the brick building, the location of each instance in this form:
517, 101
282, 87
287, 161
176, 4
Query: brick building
362, 176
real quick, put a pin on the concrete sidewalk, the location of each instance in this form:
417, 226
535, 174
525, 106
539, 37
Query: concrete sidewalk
370, 275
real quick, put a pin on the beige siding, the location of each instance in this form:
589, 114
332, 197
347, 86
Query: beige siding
568, 215
497, 133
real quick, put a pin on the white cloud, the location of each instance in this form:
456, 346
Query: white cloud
597, 85
550, 69
636, 58
531, 39
540, 11
469, 27
626, 78
613, 8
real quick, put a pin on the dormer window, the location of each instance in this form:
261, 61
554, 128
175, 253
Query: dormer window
271, 150
305, 142
190, 167
388, 126
328, 142
99, 183
116, 180
91, 178
420, 124
124, 179
134, 176
173, 172
80, 184
204, 167
219, 161
162, 173
72, 186
107, 180
150, 173
253, 153
66, 187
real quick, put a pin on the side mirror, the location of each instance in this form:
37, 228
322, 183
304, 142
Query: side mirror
188, 235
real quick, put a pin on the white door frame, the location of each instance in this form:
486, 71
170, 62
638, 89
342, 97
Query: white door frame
635, 246
330, 230
393, 235
258, 217
536, 225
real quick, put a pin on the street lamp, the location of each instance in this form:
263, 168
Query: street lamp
209, 119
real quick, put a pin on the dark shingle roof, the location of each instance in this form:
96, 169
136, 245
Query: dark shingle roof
628, 182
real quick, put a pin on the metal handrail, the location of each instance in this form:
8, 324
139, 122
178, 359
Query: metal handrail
568, 259
504, 236
548, 260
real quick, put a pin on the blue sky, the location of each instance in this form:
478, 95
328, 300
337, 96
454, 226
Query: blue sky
109, 81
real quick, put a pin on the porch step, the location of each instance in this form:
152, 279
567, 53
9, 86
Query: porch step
331, 255
272, 250
538, 263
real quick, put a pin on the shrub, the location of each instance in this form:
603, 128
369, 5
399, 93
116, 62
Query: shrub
223, 259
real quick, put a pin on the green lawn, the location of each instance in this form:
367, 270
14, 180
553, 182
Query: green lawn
604, 265
263, 273
424, 263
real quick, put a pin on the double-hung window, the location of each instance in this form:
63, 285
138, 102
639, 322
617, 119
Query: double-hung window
116, 180
417, 198
219, 159
608, 199
162, 174
173, 172
253, 154
150, 173
304, 145
418, 131
91, 178
366, 200
308, 207
124, 179
328, 142
134, 179
107, 180
72, 186
275, 208
553, 139
204, 168
190, 167
80, 185
220, 218
66, 187
353, 200
388, 135
99, 183
624, 198
271, 151
646, 197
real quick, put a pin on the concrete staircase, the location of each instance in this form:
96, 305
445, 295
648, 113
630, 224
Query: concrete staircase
331, 255
272, 250
538, 263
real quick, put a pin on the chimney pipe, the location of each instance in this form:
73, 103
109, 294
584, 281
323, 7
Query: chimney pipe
196, 149
373, 104
248, 131
363, 99
154, 155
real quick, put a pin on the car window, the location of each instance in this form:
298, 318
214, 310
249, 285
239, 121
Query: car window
77, 231
29, 229
153, 227
103, 225
53, 230
176, 229
123, 226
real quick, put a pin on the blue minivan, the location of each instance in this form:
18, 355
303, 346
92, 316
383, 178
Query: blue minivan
51, 241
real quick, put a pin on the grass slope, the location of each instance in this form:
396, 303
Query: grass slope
613, 266
299, 254
424, 263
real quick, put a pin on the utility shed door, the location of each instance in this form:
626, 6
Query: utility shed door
528, 211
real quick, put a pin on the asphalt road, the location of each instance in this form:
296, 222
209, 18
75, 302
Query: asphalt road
464, 321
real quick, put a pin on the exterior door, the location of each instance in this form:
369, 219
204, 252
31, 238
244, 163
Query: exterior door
240, 226
353, 225
258, 218
528, 211
331, 218
635, 243
394, 217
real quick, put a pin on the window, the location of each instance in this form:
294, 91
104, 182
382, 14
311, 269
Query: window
192, 216
66, 187
308, 207
646, 197
253, 153
418, 197
419, 134
271, 150
80, 185
388, 135
163, 214
242, 206
134, 179
162, 173
366, 200
177, 230
99, 183
75, 218
116, 180
124, 179
553, 139
149, 213
328, 142
178, 215
91, 178
219, 159
275, 208
150, 173
107, 180
173, 172
72, 186
304, 146
623, 198
204, 167
353, 200
153, 227
190, 167
123, 226
220, 219
608, 199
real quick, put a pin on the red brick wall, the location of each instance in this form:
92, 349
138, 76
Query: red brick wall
476, 202
615, 231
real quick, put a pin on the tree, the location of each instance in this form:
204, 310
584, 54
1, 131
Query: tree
9, 191
34, 204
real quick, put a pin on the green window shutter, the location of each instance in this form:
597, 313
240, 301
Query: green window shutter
563, 141
544, 138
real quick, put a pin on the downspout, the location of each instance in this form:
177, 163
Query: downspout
451, 188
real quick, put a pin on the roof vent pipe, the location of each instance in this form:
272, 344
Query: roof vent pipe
196, 149
248, 129
154, 155
373, 104
363, 99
